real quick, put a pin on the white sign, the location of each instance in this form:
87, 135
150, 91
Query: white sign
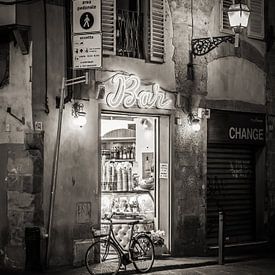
87, 51
127, 90
86, 16
163, 171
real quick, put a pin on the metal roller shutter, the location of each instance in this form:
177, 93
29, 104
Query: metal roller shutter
231, 189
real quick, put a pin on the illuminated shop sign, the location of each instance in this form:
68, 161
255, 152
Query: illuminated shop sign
127, 91
236, 128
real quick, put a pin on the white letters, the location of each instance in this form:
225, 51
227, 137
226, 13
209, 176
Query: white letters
127, 92
246, 133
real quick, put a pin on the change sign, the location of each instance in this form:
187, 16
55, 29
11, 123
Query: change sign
86, 16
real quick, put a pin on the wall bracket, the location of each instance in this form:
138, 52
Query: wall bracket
202, 46
18, 33
17, 118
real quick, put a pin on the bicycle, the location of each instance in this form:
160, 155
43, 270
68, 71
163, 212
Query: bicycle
106, 255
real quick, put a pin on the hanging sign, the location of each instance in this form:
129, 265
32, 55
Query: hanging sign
128, 91
236, 128
86, 16
163, 170
87, 51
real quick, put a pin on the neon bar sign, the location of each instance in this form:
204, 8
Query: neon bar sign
128, 92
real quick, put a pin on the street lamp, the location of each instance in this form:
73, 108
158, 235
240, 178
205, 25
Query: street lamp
238, 18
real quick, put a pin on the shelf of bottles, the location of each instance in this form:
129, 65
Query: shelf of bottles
120, 188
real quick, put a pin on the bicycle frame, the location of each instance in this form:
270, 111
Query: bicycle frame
111, 238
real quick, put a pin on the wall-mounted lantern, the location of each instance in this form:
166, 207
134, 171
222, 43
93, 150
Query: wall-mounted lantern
238, 14
194, 122
78, 114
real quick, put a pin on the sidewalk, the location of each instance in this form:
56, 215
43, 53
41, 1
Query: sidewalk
161, 264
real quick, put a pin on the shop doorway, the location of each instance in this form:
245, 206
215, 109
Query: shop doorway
134, 148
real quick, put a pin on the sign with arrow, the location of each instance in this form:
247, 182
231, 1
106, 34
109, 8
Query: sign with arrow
87, 51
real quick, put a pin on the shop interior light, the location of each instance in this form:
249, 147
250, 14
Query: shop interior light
79, 114
238, 14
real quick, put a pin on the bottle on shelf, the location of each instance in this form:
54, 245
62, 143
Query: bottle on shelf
124, 156
133, 151
121, 152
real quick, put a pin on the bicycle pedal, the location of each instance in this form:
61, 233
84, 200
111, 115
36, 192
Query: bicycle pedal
122, 267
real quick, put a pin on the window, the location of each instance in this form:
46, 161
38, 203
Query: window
134, 28
255, 27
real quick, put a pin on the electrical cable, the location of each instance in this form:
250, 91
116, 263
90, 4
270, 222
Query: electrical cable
16, 2
47, 109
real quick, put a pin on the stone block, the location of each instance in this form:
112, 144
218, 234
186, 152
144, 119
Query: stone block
34, 140
16, 218
19, 162
27, 183
37, 161
15, 257
20, 201
17, 236
28, 217
38, 217
14, 182
37, 183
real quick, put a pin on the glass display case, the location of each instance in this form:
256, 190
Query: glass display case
123, 186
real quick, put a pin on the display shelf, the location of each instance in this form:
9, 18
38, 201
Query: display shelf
120, 160
118, 139
126, 192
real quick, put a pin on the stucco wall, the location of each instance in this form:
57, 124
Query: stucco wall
17, 95
233, 78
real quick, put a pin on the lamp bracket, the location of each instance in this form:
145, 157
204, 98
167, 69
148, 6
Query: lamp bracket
202, 46
16, 117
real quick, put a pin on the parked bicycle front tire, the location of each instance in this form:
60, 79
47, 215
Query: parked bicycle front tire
142, 253
102, 257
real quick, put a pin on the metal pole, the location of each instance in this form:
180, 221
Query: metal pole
55, 169
221, 239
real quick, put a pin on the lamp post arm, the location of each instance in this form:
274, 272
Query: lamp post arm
202, 46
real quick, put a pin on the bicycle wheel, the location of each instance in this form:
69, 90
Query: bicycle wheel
142, 253
102, 257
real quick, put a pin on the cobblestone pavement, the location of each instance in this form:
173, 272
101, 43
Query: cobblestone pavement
184, 266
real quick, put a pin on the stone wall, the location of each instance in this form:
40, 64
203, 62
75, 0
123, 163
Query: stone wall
24, 184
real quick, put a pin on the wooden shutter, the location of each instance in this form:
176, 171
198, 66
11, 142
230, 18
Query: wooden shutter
108, 26
224, 20
156, 31
256, 21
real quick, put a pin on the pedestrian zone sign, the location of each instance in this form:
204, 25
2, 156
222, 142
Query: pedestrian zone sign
86, 16
87, 51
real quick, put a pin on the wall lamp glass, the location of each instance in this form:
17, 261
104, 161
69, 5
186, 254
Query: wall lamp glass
194, 122
79, 114
238, 15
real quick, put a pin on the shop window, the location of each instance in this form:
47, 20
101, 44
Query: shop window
255, 27
134, 29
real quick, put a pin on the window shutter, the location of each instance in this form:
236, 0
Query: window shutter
108, 11
156, 32
256, 21
224, 20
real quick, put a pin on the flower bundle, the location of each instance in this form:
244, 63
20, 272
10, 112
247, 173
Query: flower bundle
157, 237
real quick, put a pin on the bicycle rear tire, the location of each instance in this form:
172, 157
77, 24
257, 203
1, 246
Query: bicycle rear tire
102, 257
142, 253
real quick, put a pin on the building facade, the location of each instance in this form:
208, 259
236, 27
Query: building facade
137, 153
